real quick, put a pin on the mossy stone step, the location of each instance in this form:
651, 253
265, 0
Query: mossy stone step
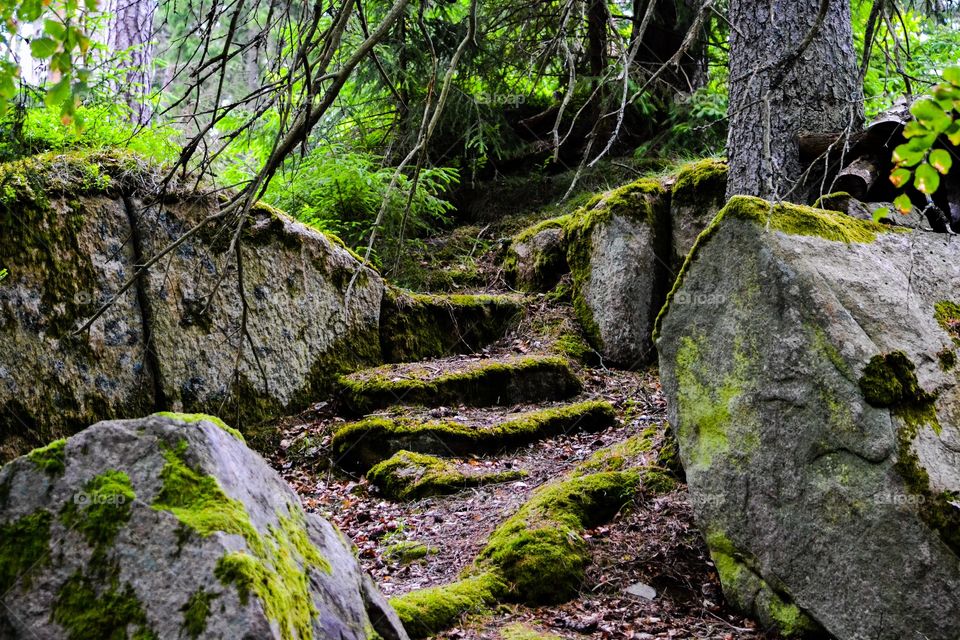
415, 326
409, 476
472, 382
367, 442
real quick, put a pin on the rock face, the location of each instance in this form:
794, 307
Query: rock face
698, 193
170, 527
74, 232
809, 362
537, 257
616, 252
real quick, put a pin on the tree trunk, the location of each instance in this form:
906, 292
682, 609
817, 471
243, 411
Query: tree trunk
778, 90
672, 19
131, 29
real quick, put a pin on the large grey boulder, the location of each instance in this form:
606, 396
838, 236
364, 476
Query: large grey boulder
170, 527
616, 249
74, 231
809, 362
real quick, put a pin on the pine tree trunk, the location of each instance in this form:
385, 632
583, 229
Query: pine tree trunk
772, 100
131, 28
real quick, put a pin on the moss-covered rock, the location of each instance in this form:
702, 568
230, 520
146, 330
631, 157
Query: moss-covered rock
369, 441
800, 356
427, 611
697, 194
470, 382
415, 326
410, 476
407, 551
537, 256
88, 552
540, 551
78, 225
618, 246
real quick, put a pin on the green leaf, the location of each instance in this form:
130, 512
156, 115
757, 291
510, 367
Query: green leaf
952, 75
56, 29
43, 48
59, 93
881, 214
915, 128
953, 134
931, 114
927, 180
903, 204
941, 160
900, 177
904, 156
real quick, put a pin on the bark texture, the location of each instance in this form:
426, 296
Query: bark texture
131, 29
775, 94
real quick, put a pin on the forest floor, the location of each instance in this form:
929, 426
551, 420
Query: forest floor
652, 542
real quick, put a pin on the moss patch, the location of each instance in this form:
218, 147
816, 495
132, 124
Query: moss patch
51, 459
415, 326
428, 611
88, 607
701, 180
640, 453
409, 476
276, 565
24, 547
889, 380
523, 632
947, 314
196, 612
540, 551
529, 379
365, 443
406, 551
100, 510
191, 418
752, 594
706, 406
549, 262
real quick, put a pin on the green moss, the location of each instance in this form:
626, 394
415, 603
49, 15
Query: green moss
787, 218
406, 551
24, 548
948, 359
529, 379
417, 326
700, 180
410, 476
276, 564
947, 314
752, 594
93, 608
367, 442
523, 632
540, 551
428, 611
50, 459
196, 612
191, 418
889, 380
101, 509
637, 453
548, 266
705, 405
